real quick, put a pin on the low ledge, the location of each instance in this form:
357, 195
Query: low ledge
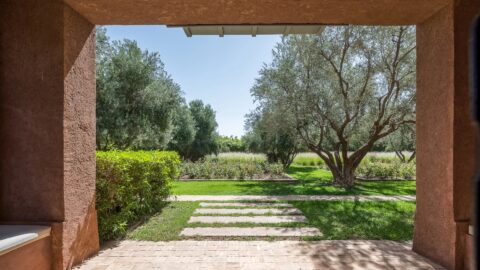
15, 236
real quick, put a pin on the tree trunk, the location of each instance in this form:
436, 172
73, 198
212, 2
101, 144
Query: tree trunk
412, 157
344, 177
401, 156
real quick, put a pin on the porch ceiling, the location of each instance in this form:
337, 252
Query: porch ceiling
190, 12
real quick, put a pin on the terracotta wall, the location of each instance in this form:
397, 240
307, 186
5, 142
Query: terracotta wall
47, 123
80, 234
445, 135
47, 111
31, 111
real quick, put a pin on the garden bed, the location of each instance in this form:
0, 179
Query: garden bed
235, 167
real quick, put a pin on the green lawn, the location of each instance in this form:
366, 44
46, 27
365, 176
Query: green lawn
311, 181
360, 220
336, 220
165, 225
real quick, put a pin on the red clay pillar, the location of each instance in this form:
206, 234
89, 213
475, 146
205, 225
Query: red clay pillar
47, 123
445, 135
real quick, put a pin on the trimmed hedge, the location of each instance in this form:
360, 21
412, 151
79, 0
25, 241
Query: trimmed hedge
131, 185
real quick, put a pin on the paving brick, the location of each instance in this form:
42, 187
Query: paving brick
251, 219
278, 255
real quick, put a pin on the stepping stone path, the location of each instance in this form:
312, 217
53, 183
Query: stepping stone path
256, 211
223, 204
249, 219
259, 213
255, 231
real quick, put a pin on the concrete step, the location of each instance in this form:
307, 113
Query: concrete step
254, 231
250, 219
256, 211
205, 204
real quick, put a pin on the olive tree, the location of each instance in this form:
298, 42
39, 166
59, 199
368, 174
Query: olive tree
349, 85
403, 140
272, 131
205, 139
136, 97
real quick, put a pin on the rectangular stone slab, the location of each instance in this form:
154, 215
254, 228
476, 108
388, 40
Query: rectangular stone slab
257, 211
255, 231
205, 204
237, 219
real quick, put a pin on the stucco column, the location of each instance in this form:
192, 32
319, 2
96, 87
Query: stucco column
445, 135
47, 124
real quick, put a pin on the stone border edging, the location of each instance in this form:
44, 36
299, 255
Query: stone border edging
292, 198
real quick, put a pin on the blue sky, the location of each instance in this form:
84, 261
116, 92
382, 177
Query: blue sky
219, 71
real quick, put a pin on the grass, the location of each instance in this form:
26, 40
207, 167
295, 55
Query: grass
311, 181
307, 159
360, 220
238, 156
167, 224
336, 220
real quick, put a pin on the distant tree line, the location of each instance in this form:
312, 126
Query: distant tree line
139, 106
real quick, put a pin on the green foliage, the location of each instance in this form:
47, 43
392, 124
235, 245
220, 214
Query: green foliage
336, 220
309, 159
344, 89
131, 185
136, 98
230, 144
402, 140
386, 168
360, 220
184, 131
205, 140
166, 225
139, 106
310, 181
231, 168
273, 132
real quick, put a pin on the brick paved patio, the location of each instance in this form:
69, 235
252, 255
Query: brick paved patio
278, 255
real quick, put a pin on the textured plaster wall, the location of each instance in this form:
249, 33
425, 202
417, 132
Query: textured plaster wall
445, 135
31, 111
80, 226
434, 223
254, 11
47, 106
47, 124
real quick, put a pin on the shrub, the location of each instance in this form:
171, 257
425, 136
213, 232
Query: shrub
231, 166
131, 185
374, 167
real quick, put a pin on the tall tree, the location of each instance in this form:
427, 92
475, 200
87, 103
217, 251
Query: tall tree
136, 98
205, 141
272, 131
184, 131
349, 85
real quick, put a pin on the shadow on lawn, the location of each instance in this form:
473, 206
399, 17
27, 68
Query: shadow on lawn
361, 220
